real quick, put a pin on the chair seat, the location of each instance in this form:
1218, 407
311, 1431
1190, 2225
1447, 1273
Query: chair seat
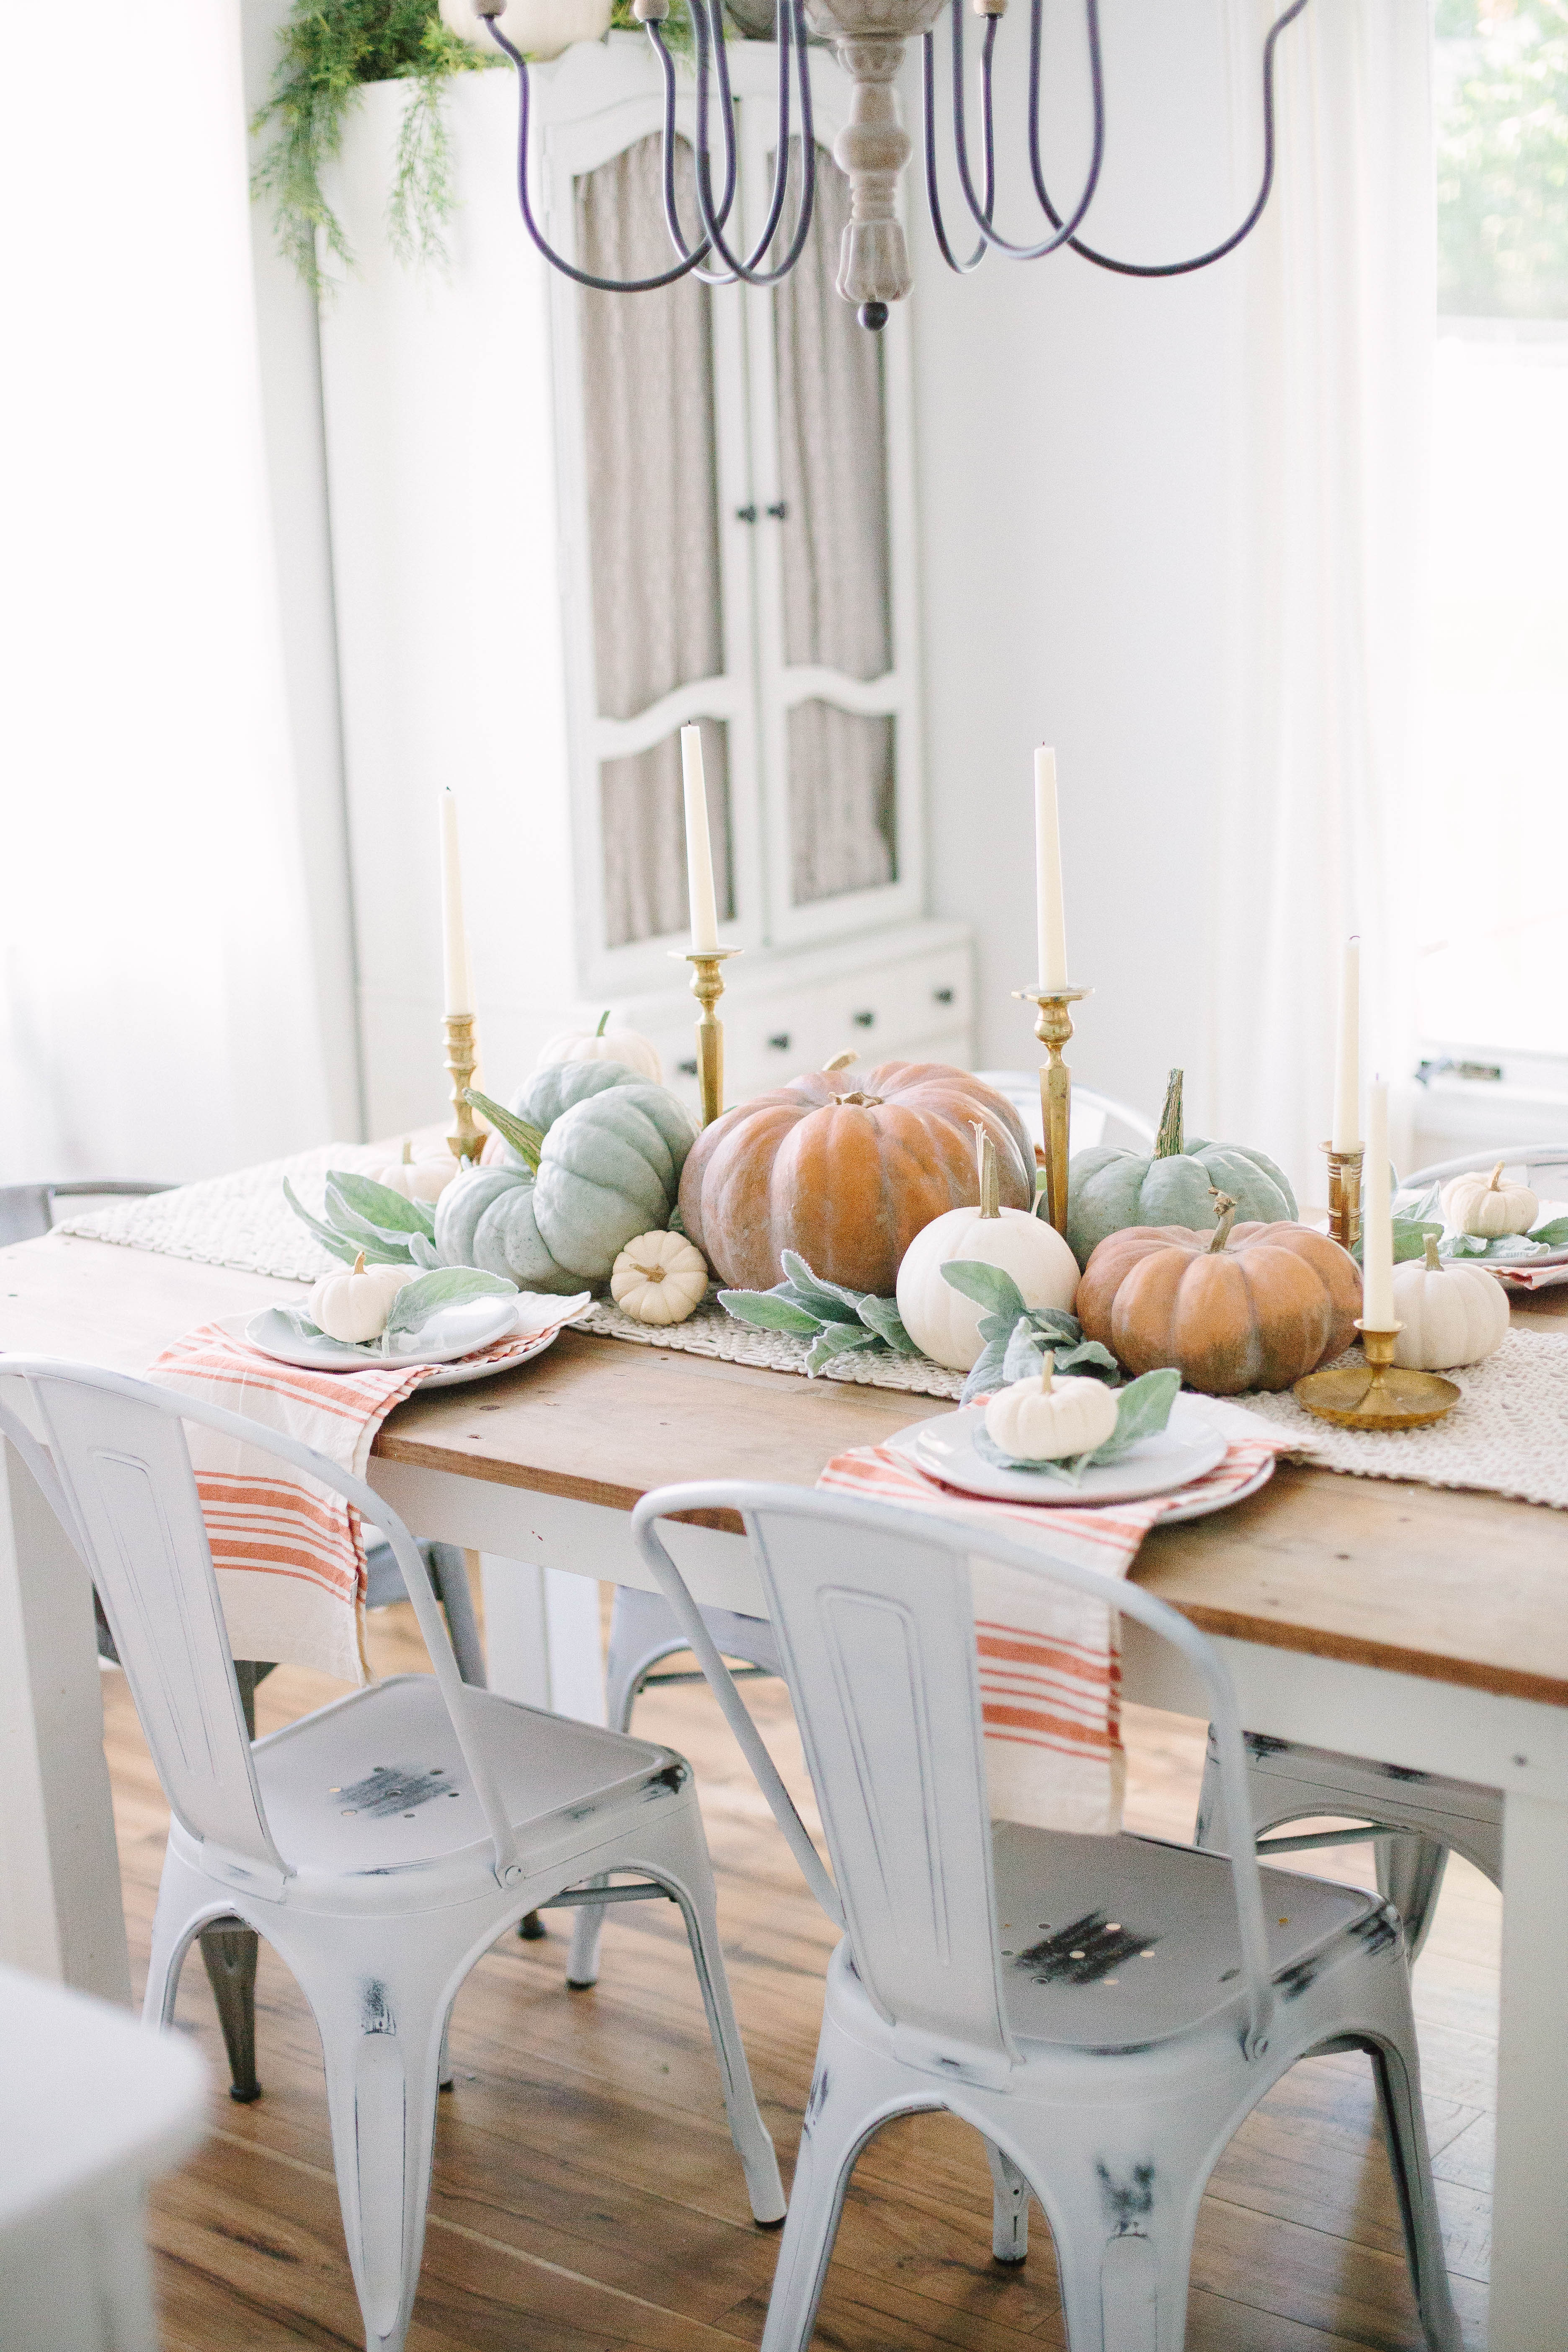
1136, 1944
375, 1783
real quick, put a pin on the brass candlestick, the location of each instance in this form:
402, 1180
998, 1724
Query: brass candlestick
708, 987
1053, 1028
1344, 1196
1377, 1393
467, 1139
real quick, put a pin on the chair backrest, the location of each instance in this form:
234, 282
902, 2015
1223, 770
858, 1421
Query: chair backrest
1096, 1117
118, 1473
1535, 1159
27, 1211
875, 1621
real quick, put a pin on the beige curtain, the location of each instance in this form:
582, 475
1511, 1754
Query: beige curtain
833, 481
653, 530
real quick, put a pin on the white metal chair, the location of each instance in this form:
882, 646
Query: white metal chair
1535, 1159
332, 1838
1104, 2011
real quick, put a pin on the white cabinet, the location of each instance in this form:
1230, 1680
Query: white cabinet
566, 523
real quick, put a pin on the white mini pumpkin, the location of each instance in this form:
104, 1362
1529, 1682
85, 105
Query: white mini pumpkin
1048, 1420
660, 1278
417, 1180
941, 1320
1487, 1207
540, 28
604, 1045
353, 1306
1450, 1313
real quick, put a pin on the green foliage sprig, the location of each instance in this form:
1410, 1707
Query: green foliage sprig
1016, 1337
363, 1215
832, 1318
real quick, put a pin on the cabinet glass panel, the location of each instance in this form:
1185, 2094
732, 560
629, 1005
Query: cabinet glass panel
835, 560
642, 814
653, 530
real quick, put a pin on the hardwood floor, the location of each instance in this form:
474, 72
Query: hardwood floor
586, 2195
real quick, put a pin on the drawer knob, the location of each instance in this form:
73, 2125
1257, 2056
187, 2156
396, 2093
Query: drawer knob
687, 1069
942, 995
863, 1019
781, 1043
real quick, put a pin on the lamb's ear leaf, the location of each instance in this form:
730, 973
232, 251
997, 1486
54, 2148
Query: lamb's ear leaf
1056, 1323
769, 1312
339, 1244
1552, 1236
829, 1300
986, 1374
989, 1285
1090, 1360
1024, 1353
382, 1248
838, 1340
423, 1252
881, 1315
380, 1206
526, 1140
448, 1286
1142, 1411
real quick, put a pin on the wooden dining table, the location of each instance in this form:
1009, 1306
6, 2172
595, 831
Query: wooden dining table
1425, 1627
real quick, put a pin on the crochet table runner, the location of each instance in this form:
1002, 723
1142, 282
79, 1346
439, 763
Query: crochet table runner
1508, 1436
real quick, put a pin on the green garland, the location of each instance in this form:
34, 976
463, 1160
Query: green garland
327, 49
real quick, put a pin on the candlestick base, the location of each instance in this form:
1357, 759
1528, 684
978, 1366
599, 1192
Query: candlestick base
708, 987
1053, 1028
467, 1139
1345, 1195
1377, 1393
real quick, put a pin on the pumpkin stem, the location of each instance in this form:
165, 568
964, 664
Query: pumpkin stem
1434, 1263
840, 1062
1168, 1142
408, 1151
604, 1022
358, 1266
985, 1161
1494, 1182
1225, 1210
525, 1141
1048, 1368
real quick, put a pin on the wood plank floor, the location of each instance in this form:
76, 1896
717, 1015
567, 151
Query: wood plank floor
585, 2196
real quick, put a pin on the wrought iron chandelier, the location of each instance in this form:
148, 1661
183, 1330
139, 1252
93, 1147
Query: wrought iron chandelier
872, 150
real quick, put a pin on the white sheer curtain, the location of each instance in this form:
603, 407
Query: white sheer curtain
1331, 456
157, 996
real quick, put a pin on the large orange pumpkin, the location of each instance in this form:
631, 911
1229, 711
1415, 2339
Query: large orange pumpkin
1247, 1306
845, 1174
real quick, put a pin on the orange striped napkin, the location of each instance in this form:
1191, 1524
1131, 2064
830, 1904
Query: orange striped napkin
1050, 1665
289, 1554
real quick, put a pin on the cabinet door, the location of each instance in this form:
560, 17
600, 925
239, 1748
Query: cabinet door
838, 707
652, 450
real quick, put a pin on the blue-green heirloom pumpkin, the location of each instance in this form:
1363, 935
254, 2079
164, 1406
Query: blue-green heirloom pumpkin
594, 1153
1110, 1189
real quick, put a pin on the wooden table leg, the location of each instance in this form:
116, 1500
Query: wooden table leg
60, 1912
1529, 2197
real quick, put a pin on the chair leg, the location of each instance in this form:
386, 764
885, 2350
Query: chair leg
449, 1574
1410, 1875
1009, 2209
832, 2134
1399, 2094
230, 1953
587, 1927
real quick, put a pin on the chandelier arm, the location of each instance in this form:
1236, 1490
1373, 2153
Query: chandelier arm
667, 160
1216, 252
558, 260
980, 212
933, 199
791, 28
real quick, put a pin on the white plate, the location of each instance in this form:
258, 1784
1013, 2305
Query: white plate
1184, 1450
451, 1332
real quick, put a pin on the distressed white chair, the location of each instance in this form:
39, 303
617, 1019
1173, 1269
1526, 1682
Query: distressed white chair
332, 1838
1414, 1818
643, 1632
1104, 2011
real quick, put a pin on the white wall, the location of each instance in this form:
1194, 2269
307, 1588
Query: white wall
1072, 441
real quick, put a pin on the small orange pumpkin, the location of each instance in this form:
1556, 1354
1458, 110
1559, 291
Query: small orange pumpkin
1247, 1306
846, 1175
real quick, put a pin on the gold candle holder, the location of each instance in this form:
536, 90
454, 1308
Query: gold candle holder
467, 1139
708, 987
1377, 1393
1053, 1028
1344, 1196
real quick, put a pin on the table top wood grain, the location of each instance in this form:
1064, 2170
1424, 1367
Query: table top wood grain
1451, 1585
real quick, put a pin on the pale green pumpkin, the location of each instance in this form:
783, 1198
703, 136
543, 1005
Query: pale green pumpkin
596, 1154
1110, 1189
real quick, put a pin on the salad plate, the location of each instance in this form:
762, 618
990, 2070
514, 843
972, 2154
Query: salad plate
448, 1343
1187, 1449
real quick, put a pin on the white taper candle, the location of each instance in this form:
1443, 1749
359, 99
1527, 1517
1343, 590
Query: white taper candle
1346, 1132
1377, 1215
459, 987
699, 852
1048, 874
